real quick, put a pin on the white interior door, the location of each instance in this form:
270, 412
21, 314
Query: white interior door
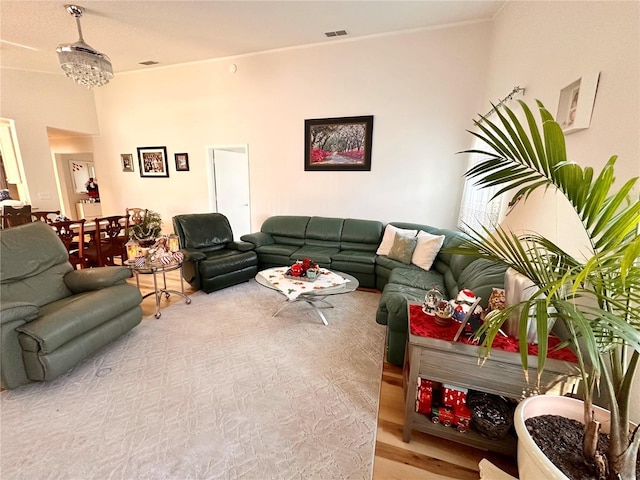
230, 186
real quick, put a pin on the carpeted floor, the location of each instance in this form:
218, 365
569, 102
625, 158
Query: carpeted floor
218, 389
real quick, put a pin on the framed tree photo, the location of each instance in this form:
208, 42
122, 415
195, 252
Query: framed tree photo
338, 143
153, 161
182, 162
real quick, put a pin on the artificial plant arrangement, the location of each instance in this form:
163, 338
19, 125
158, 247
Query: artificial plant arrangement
147, 230
597, 297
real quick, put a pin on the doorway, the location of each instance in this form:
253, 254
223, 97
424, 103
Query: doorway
229, 185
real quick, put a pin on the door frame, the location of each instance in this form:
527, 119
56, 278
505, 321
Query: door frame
211, 171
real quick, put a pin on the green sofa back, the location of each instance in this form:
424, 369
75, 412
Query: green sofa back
361, 235
324, 232
34, 270
205, 231
286, 229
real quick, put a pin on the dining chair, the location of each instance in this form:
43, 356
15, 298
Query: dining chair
71, 233
135, 216
107, 242
14, 216
45, 216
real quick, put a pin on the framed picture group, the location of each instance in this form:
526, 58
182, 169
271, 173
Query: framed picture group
152, 162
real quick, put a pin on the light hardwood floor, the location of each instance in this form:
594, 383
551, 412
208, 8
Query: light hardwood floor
424, 457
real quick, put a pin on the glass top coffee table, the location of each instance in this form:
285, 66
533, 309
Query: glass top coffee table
313, 293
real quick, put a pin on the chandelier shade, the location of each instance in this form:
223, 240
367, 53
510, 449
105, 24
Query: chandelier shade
82, 63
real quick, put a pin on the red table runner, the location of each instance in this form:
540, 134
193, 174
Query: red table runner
423, 325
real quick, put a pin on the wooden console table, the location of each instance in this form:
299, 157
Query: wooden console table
442, 360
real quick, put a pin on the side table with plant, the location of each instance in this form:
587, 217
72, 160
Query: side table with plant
597, 297
148, 230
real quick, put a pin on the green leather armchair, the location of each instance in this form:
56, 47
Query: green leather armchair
212, 260
52, 316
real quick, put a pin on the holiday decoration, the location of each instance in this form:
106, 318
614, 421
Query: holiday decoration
304, 269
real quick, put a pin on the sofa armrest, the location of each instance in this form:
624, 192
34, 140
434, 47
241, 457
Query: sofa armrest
193, 254
89, 279
259, 239
11, 311
241, 246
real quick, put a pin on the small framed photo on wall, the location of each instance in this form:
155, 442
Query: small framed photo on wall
127, 162
153, 161
576, 102
182, 162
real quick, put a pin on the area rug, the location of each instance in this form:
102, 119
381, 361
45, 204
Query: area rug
218, 389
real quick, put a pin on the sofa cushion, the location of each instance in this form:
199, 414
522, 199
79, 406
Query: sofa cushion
224, 261
34, 271
71, 317
320, 255
324, 232
452, 239
203, 230
23, 311
389, 237
355, 256
393, 302
277, 249
362, 235
286, 229
427, 248
351, 267
482, 276
402, 248
415, 277
388, 263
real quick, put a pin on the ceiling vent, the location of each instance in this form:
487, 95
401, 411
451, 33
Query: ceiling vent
337, 33
149, 62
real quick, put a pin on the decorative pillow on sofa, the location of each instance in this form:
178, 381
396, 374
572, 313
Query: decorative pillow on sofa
403, 247
388, 237
427, 248
5, 195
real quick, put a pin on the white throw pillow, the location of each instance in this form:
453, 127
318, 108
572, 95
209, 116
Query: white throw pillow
388, 237
426, 250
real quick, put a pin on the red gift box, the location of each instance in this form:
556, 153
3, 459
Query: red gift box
453, 396
424, 396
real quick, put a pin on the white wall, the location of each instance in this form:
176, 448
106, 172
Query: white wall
423, 89
37, 101
545, 46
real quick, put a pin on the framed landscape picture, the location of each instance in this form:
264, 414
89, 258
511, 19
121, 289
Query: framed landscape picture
182, 162
153, 161
127, 162
338, 143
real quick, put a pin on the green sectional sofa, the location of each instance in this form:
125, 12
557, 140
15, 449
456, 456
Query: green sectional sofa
350, 246
401, 283
344, 244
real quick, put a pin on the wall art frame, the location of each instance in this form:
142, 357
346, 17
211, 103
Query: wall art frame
182, 162
127, 162
338, 144
153, 161
575, 105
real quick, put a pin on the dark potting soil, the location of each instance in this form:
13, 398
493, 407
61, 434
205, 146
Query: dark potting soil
560, 439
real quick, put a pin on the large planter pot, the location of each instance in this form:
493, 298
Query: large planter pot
532, 463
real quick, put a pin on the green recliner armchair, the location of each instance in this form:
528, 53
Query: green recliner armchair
51, 315
212, 259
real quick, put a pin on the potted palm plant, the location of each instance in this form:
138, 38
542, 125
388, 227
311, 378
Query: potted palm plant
596, 297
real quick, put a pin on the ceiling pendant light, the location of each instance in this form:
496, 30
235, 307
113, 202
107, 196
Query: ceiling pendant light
82, 63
